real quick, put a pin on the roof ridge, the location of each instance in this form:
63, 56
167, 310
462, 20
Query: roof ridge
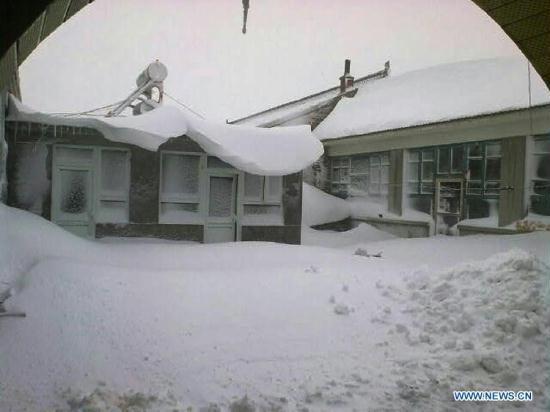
380, 73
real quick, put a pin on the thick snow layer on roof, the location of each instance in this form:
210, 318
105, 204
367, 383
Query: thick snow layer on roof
436, 94
273, 151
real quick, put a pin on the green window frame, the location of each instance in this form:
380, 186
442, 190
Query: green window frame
540, 176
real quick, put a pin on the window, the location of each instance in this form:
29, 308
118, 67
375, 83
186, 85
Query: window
540, 176
114, 186
262, 199
427, 171
179, 191
483, 165
340, 175
360, 175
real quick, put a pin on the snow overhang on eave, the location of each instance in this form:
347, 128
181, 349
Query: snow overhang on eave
272, 151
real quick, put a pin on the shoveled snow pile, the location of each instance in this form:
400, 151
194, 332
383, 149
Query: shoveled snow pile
482, 326
319, 207
436, 94
274, 151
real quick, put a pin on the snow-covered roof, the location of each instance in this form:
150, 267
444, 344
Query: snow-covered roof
436, 94
296, 108
275, 151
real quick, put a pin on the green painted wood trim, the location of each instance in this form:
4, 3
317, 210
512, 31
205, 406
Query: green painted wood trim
395, 190
512, 173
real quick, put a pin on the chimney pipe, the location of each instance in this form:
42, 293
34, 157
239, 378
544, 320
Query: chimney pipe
346, 80
347, 66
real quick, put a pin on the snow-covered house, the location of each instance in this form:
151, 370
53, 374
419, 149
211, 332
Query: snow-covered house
164, 173
464, 146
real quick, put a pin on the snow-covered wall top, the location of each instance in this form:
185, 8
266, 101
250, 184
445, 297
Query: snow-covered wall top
436, 94
274, 151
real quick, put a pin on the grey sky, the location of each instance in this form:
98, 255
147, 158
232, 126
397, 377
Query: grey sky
292, 48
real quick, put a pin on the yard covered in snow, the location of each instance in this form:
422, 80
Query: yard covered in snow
154, 326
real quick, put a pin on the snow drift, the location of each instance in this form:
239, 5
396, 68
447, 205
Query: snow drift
435, 94
319, 207
273, 151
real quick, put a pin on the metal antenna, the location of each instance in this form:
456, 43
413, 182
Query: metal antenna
246, 6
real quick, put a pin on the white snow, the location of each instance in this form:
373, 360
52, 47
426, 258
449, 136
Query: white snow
272, 151
169, 326
319, 207
436, 94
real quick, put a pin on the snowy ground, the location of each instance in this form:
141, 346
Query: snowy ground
162, 327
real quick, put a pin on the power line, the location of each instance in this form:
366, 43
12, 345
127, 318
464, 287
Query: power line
184, 105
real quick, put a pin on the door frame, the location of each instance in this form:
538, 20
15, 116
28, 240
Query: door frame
236, 176
438, 182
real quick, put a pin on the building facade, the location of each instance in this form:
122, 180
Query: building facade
96, 187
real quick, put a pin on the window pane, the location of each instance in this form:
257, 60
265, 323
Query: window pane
444, 158
542, 145
427, 171
474, 187
220, 202
359, 185
344, 175
427, 154
474, 150
414, 156
385, 159
180, 174
374, 174
73, 155
475, 167
374, 161
74, 191
427, 187
335, 175
114, 172
253, 187
413, 187
384, 174
493, 169
493, 149
542, 166
359, 165
413, 172
457, 159
274, 187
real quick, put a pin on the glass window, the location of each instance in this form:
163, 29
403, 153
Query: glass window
253, 187
74, 191
180, 175
492, 171
72, 155
457, 163
476, 169
444, 160
114, 172
220, 203
360, 164
180, 188
475, 150
114, 186
540, 179
274, 188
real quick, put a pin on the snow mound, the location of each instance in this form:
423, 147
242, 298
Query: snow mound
319, 207
485, 326
26, 238
435, 94
363, 233
272, 151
